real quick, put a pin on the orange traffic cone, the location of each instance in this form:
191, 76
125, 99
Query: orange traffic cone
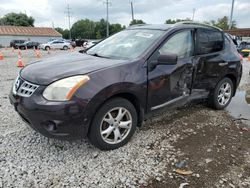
20, 62
1, 56
248, 57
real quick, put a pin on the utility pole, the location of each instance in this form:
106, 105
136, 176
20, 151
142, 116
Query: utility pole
231, 15
193, 14
107, 20
69, 15
132, 11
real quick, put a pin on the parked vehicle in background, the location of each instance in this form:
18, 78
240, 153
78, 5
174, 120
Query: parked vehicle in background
72, 43
244, 48
56, 44
105, 93
28, 45
90, 44
13, 43
80, 42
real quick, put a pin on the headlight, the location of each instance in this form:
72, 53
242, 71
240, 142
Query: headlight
64, 89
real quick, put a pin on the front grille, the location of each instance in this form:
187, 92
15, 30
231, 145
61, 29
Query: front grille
23, 88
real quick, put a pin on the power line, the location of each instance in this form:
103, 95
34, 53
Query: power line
231, 15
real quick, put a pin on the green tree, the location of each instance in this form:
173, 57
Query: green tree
170, 21
64, 32
98, 35
134, 22
84, 29
101, 27
17, 19
114, 28
223, 23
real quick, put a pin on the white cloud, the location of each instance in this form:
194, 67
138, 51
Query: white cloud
151, 11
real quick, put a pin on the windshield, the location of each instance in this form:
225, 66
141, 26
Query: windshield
127, 44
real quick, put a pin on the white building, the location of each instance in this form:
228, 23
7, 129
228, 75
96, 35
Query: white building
35, 34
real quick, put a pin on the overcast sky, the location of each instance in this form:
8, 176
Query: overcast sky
151, 11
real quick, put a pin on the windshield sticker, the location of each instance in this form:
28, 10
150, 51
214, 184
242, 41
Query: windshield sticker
144, 35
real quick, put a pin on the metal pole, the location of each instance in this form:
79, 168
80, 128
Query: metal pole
231, 15
132, 11
193, 14
107, 2
68, 11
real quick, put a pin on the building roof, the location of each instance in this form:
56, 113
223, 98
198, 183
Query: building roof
244, 32
28, 31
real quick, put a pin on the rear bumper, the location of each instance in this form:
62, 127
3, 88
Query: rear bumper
62, 120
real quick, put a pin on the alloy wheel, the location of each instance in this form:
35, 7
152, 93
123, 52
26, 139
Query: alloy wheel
224, 94
116, 125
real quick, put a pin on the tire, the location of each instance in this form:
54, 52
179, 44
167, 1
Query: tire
65, 48
221, 96
47, 48
112, 126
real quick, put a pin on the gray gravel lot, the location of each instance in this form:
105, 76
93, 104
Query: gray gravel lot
28, 159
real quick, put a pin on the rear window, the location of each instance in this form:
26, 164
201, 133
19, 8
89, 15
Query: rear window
208, 41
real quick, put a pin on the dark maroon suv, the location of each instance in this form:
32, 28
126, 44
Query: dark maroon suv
105, 93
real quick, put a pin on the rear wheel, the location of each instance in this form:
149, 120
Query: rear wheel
113, 125
222, 94
65, 48
47, 48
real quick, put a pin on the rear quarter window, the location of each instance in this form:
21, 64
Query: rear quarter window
208, 41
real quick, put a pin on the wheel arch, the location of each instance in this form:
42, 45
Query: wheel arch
234, 80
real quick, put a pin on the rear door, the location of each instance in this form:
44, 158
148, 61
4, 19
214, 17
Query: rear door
209, 63
167, 84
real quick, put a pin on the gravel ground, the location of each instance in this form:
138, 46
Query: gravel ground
210, 143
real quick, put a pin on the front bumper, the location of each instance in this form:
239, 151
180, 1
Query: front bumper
63, 120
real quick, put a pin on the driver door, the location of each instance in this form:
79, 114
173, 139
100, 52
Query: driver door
169, 84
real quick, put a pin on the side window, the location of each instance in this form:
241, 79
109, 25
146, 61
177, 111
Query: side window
208, 41
179, 44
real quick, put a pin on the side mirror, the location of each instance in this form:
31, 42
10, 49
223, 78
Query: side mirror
167, 59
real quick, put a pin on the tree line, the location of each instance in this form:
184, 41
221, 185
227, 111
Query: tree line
88, 29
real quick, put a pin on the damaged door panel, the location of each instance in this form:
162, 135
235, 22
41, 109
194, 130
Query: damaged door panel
168, 84
209, 62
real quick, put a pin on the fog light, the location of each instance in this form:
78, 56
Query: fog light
51, 126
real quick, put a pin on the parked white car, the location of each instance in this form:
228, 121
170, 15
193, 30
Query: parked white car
90, 44
56, 44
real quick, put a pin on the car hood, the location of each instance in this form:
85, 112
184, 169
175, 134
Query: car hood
48, 70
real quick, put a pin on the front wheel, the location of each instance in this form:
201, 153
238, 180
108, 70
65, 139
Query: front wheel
65, 48
113, 125
222, 94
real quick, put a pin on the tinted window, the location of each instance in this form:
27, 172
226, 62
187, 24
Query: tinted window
208, 41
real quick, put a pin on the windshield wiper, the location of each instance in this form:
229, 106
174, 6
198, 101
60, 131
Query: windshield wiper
98, 55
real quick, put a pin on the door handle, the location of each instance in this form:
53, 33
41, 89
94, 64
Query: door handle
223, 64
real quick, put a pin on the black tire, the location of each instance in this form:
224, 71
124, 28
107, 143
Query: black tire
65, 48
47, 48
213, 99
95, 130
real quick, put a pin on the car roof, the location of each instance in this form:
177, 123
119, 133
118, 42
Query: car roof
165, 27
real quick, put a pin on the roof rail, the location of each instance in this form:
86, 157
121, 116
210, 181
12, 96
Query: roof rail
136, 25
197, 23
